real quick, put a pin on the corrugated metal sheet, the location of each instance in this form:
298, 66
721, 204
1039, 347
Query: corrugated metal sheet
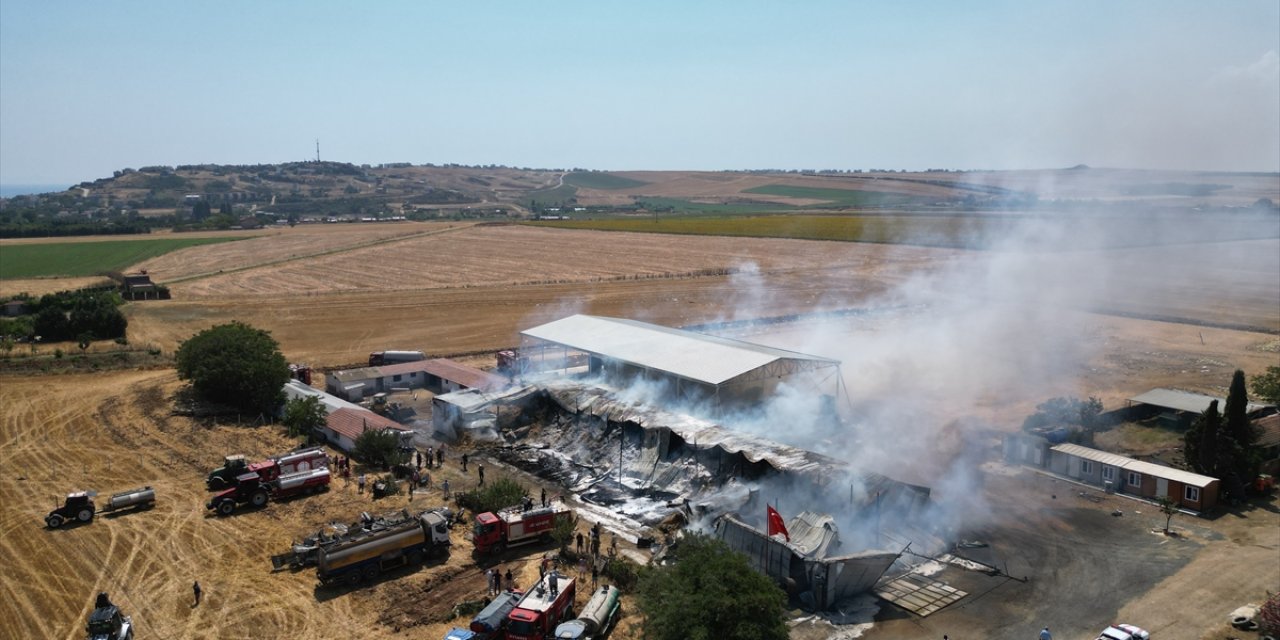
1129, 464
1186, 401
694, 356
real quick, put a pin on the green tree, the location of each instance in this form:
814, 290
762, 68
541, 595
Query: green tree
710, 592
1169, 509
235, 364
302, 415
498, 494
51, 324
1236, 413
380, 448
1200, 443
1266, 386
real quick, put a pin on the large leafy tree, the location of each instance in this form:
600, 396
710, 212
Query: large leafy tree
710, 592
302, 415
235, 364
1266, 386
380, 448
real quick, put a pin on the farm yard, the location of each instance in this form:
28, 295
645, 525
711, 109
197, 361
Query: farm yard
330, 294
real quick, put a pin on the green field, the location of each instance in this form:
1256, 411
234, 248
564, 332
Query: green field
653, 203
937, 231
72, 259
838, 197
598, 180
562, 194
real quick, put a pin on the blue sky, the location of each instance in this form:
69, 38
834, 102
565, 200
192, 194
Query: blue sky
87, 88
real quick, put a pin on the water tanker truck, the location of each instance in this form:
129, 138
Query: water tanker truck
273, 467
597, 617
491, 622
541, 608
513, 526
251, 489
307, 552
379, 358
361, 559
81, 507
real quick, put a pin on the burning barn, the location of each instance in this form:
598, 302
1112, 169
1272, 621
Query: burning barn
804, 557
694, 368
640, 465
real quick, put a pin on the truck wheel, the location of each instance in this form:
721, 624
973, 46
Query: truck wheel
369, 574
84, 515
217, 483
354, 578
415, 557
259, 498
226, 507
54, 521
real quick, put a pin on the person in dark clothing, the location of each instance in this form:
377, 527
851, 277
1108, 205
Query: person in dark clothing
544, 497
480, 470
579, 542
464, 462
196, 588
440, 456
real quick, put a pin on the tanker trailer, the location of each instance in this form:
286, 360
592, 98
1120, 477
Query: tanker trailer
142, 498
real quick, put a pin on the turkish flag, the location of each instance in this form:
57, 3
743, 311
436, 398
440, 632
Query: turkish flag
776, 525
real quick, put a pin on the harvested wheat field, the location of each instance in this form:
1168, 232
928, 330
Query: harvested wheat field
266, 247
510, 255
113, 432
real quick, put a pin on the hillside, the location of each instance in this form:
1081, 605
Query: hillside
167, 195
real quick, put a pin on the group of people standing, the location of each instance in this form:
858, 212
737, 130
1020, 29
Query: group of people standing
495, 577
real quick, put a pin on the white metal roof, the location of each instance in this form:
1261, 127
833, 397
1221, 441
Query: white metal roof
1140, 466
694, 356
1186, 401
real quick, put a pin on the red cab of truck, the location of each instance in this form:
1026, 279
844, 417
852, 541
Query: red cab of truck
516, 525
290, 463
543, 607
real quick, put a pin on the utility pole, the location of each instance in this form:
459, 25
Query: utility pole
317, 150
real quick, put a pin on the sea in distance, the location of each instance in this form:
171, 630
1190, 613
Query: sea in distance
11, 190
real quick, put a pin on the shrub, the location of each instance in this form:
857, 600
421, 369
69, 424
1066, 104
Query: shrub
235, 364
499, 494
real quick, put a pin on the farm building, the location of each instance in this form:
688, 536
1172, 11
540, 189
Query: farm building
693, 366
138, 286
1179, 408
474, 410
436, 376
1134, 477
345, 421
1026, 448
343, 426
1268, 444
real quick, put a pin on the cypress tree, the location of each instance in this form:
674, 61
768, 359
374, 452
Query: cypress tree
1236, 413
1200, 444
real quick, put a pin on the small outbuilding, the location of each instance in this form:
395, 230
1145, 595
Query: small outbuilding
1121, 474
1268, 444
437, 376
1179, 408
344, 421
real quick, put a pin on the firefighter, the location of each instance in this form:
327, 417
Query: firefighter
480, 470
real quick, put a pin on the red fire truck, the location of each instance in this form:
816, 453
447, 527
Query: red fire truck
542, 608
516, 525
